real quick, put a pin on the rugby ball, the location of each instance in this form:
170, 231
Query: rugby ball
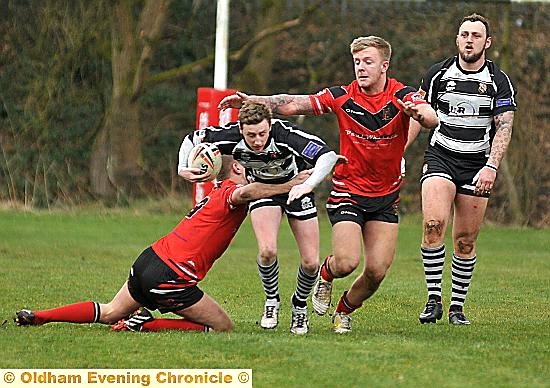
207, 158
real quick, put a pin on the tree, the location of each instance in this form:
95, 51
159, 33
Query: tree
116, 153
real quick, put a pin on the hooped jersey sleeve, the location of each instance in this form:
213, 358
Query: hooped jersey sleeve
302, 144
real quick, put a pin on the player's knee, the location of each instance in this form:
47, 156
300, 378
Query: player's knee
343, 265
374, 276
267, 255
311, 265
433, 231
464, 245
225, 326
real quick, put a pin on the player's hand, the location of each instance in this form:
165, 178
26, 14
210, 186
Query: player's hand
233, 101
411, 110
484, 181
298, 191
301, 177
342, 159
194, 175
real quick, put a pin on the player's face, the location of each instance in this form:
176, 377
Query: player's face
472, 41
256, 135
370, 70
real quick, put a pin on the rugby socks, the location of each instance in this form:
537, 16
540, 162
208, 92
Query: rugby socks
462, 271
304, 285
270, 279
159, 324
83, 312
325, 271
345, 306
433, 260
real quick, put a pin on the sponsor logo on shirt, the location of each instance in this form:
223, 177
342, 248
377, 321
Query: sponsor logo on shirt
348, 110
482, 89
451, 85
311, 150
417, 96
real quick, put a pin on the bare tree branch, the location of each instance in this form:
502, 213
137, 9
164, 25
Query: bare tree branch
238, 54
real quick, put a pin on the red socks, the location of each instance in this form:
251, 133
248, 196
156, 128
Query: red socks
83, 312
159, 324
344, 305
325, 272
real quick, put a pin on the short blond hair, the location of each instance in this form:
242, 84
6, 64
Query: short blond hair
364, 42
254, 113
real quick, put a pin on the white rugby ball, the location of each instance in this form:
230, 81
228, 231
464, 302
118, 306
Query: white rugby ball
207, 158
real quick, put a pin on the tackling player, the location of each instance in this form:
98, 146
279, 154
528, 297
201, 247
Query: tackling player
274, 151
373, 115
166, 275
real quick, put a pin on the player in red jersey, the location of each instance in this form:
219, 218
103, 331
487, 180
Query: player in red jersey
373, 114
166, 274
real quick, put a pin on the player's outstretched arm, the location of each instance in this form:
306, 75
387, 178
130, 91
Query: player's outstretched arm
284, 104
323, 167
423, 113
258, 190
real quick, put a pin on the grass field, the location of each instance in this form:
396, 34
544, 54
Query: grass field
49, 259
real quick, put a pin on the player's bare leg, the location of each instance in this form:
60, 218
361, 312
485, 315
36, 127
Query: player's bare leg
209, 313
437, 200
266, 222
306, 233
380, 240
346, 246
468, 216
120, 307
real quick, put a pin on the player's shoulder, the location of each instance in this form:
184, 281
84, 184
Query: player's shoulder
222, 132
495, 70
440, 66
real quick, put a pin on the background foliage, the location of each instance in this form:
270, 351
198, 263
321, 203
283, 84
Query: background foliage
57, 77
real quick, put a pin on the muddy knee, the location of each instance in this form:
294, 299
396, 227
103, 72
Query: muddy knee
434, 231
464, 246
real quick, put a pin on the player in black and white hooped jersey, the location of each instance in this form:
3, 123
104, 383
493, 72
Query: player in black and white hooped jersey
274, 151
475, 103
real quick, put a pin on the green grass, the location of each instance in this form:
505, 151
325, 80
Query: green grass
50, 259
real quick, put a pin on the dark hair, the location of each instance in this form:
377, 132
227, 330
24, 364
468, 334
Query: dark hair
227, 165
254, 113
476, 18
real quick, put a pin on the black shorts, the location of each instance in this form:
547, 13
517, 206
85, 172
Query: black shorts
460, 171
153, 284
301, 209
361, 209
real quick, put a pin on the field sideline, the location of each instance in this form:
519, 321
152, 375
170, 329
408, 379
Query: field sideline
49, 259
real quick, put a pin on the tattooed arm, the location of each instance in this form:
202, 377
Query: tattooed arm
284, 104
485, 178
503, 122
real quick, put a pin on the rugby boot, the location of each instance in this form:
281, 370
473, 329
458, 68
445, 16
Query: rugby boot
299, 324
322, 293
24, 318
135, 321
270, 316
432, 312
458, 318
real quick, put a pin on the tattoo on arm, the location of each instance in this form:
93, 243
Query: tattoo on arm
287, 104
504, 123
